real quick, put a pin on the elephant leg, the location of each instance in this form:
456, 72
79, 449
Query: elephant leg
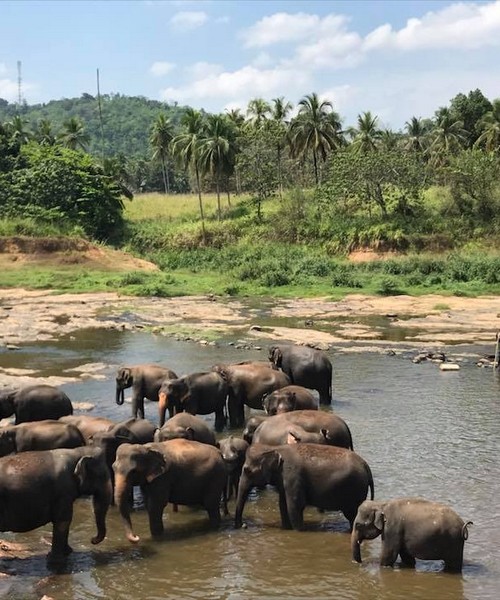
350, 515
236, 412
285, 518
60, 547
389, 554
220, 420
325, 395
406, 559
214, 513
155, 513
295, 507
454, 564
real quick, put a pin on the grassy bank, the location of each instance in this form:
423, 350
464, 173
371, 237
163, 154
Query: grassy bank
245, 256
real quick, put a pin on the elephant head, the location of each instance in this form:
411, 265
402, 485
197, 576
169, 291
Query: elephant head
251, 426
276, 356
135, 464
171, 393
124, 380
172, 433
93, 479
279, 402
7, 403
261, 468
7, 440
369, 524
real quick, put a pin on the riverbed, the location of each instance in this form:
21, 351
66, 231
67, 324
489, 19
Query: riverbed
424, 433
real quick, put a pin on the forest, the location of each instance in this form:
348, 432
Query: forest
285, 179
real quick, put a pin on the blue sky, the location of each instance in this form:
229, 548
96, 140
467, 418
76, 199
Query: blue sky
395, 58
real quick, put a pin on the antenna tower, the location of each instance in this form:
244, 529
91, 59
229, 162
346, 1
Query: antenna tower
19, 84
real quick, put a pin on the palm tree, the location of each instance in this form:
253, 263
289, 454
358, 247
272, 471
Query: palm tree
44, 133
17, 129
186, 148
217, 151
73, 135
367, 133
162, 133
416, 132
389, 139
280, 111
316, 128
490, 125
258, 111
449, 137
235, 116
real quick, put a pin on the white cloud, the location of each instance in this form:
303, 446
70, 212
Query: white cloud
202, 70
8, 90
461, 26
263, 59
341, 96
189, 19
160, 68
280, 27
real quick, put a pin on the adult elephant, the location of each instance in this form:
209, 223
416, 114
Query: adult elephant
413, 528
248, 383
326, 477
40, 487
188, 427
145, 381
178, 471
35, 403
197, 394
312, 426
305, 366
39, 435
288, 399
251, 426
87, 424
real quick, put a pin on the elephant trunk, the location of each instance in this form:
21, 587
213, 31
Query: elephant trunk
101, 501
356, 545
122, 493
162, 407
120, 395
244, 488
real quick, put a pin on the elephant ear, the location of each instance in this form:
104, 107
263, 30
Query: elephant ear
293, 400
190, 433
379, 520
293, 438
124, 375
277, 356
158, 468
82, 471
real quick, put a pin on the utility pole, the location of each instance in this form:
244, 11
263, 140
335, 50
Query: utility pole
19, 84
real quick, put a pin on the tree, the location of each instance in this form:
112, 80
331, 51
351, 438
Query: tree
280, 111
186, 148
162, 134
316, 129
470, 110
217, 151
366, 134
73, 135
258, 111
18, 131
416, 133
44, 133
490, 127
448, 137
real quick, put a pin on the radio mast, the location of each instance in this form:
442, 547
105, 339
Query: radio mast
19, 84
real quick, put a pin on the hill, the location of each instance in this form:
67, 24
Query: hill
126, 119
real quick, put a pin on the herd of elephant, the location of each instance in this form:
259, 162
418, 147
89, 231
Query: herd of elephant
50, 457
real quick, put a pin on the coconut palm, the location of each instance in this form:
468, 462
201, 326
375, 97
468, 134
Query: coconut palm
316, 129
73, 135
236, 116
258, 111
44, 133
490, 126
389, 139
416, 135
186, 148
18, 131
217, 151
366, 134
162, 133
448, 137
280, 111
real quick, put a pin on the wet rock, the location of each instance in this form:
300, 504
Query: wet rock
12, 347
390, 352
203, 342
255, 328
83, 406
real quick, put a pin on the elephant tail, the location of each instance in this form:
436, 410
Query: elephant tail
371, 485
465, 531
351, 447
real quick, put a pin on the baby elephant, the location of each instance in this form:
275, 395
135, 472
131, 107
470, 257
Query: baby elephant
289, 398
413, 528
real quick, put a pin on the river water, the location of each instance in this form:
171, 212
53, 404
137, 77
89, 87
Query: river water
423, 432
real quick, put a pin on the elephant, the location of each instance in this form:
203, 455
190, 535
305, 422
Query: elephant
313, 426
413, 528
248, 383
34, 403
289, 398
233, 451
327, 477
197, 394
251, 426
186, 426
40, 487
39, 435
132, 431
305, 366
88, 425
178, 471
145, 381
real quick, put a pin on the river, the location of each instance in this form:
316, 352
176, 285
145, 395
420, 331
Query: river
423, 432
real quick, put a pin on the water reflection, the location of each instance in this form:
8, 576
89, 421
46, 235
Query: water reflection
423, 432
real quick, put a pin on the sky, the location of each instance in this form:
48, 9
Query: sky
395, 58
